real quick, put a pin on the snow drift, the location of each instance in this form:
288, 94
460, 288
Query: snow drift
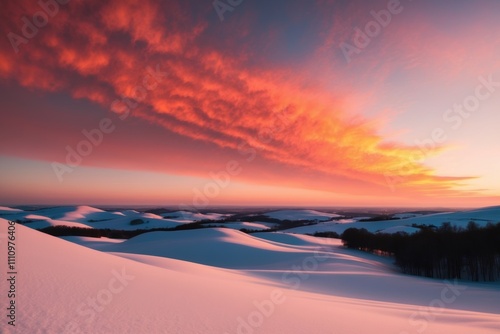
64, 287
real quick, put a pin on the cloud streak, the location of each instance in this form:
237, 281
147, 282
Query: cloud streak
212, 94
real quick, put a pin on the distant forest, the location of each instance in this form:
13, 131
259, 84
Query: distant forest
447, 252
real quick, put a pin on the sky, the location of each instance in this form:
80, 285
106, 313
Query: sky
237, 102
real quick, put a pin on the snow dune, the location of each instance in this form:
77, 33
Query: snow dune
7, 210
79, 214
88, 217
67, 288
40, 218
331, 269
220, 247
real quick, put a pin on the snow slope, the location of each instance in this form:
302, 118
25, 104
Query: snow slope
7, 210
221, 247
40, 218
67, 288
271, 255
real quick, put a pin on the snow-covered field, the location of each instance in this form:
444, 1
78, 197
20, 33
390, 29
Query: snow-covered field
220, 280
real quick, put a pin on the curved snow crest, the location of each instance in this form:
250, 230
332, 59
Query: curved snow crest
219, 247
69, 288
5, 210
34, 219
63, 281
75, 213
88, 217
82, 214
297, 239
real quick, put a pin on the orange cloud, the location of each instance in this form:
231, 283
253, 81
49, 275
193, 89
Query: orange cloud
201, 93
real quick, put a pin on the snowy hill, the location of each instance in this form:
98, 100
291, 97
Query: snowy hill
88, 217
300, 285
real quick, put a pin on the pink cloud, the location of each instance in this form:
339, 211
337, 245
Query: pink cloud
304, 136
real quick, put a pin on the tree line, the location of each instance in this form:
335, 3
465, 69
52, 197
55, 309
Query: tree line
446, 252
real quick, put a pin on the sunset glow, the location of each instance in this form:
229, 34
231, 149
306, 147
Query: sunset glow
322, 103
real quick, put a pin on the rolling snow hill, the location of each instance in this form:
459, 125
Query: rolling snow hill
284, 284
